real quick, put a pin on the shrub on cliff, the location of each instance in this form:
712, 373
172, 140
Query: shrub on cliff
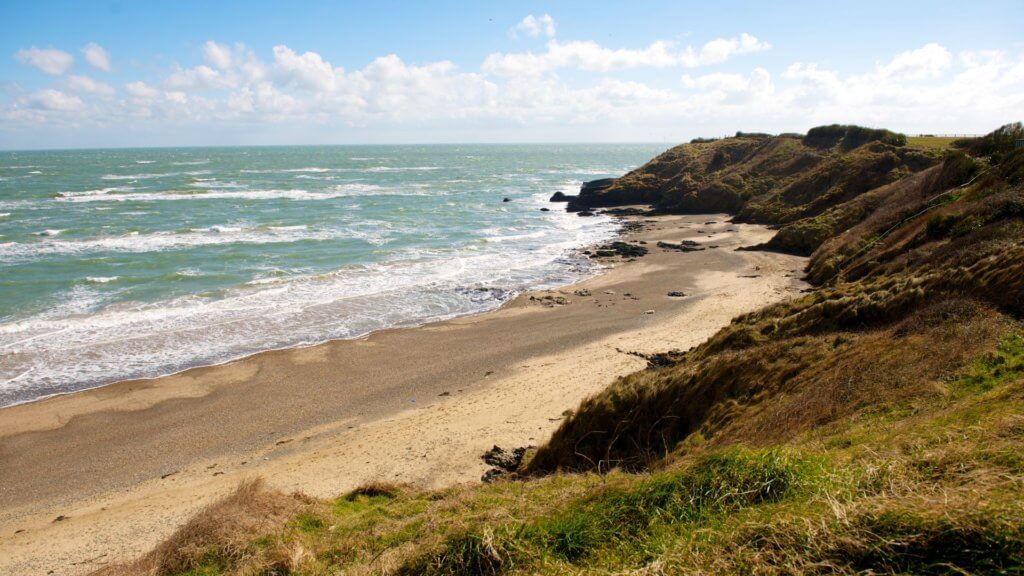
850, 137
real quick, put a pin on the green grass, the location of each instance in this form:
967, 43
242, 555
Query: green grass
931, 142
1003, 364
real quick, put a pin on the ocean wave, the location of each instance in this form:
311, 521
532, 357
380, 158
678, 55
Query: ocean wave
314, 169
398, 169
165, 240
214, 184
152, 176
339, 191
101, 279
513, 237
191, 163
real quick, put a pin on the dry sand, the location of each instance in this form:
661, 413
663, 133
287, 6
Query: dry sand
126, 463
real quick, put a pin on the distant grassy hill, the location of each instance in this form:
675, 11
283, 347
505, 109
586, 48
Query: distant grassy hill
872, 426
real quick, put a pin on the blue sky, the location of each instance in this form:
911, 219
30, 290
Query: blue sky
75, 74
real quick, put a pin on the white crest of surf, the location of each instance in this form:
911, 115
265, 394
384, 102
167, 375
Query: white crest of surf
165, 240
101, 279
151, 176
213, 193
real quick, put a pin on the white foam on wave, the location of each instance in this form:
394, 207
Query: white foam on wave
399, 169
191, 163
414, 285
165, 240
315, 169
339, 191
152, 176
214, 184
145, 161
50, 232
101, 279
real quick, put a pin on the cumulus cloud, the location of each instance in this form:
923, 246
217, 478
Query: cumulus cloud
49, 60
590, 56
53, 100
218, 55
201, 77
86, 85
307, 70
534, 26
141, 90
96, 56
928, 61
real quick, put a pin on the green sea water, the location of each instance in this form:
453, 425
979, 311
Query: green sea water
131, 263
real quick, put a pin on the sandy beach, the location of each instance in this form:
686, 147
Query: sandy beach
101, 475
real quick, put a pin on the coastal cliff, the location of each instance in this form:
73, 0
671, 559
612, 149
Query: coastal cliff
873, 425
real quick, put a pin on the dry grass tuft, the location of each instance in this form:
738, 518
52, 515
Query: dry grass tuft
376, 489
224, 530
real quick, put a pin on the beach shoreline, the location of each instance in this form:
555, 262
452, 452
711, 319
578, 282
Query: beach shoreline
324, 418
579, 254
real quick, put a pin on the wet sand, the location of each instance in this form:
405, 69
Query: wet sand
126, 463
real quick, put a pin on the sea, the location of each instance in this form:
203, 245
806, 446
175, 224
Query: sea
136, 263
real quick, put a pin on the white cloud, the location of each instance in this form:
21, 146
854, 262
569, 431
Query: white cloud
720, 49
49, 60
218, 55
586, 55
534, 26
141, 90
53, 100
87, 85
307, 70
176, 96
928, 61
96, 56
201, 77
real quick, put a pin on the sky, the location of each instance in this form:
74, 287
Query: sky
190, 73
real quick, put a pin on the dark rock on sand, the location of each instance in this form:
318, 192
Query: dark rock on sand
585, 213
676, 294
506, 199
683, 246
630, 211
491, 475
545, 209
503, 461
619, 249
